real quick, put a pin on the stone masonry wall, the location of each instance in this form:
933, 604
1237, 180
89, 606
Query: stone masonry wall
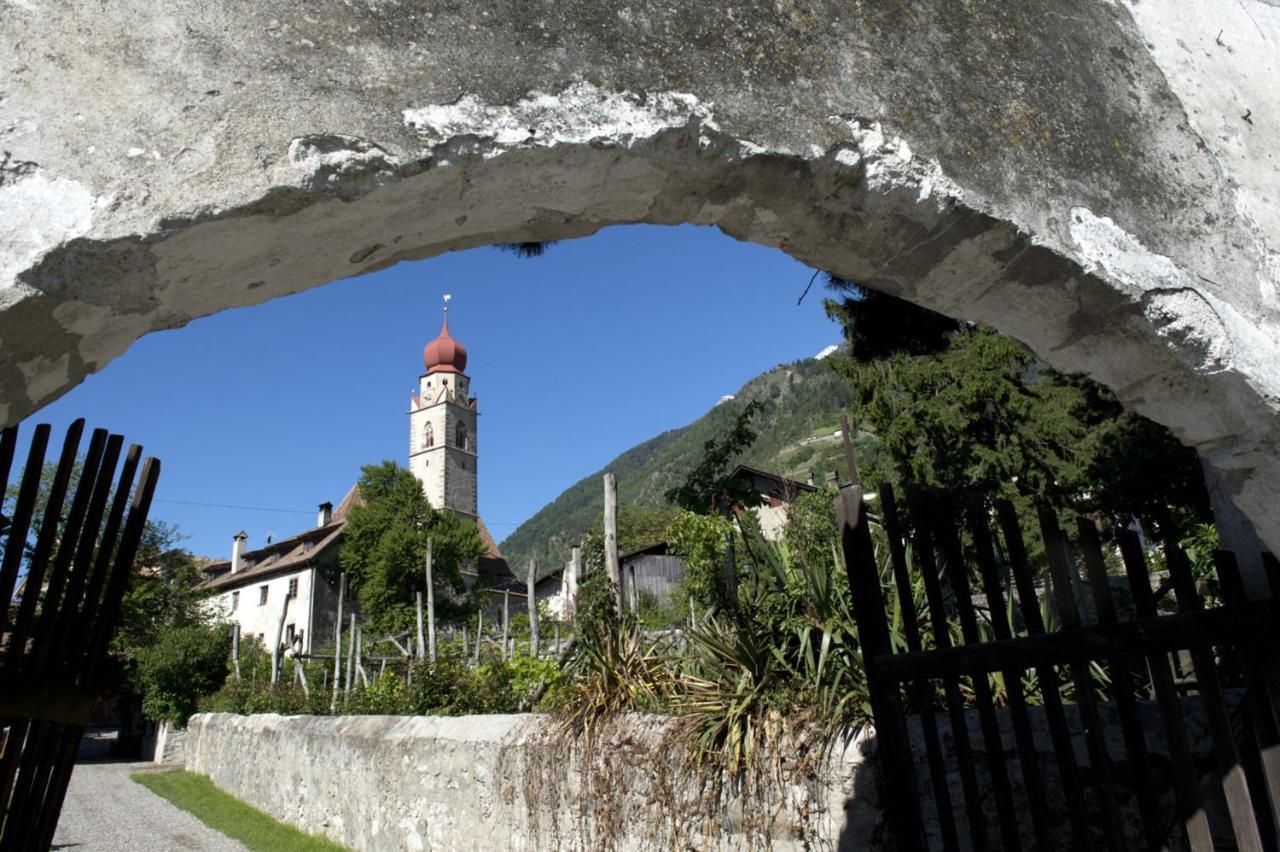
511, 783
500, 782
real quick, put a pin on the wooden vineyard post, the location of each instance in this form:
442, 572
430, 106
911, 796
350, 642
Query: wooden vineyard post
530, 582
479, 634
611, 539
275, 647
337, 645
901, 802
300, 676
235, 650
364, 678
575, 570
431, 604
421, 651
351, 655
506, 620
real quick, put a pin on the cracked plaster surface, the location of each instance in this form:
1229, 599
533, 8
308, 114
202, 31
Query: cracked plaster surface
1064, 171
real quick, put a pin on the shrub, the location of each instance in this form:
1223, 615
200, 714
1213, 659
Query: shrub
438, 687
185, 664
385, 696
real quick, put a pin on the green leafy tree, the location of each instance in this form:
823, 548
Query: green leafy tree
701, 542
708, 486
385, 544
960, 406
162, 592
638, 526
184, 664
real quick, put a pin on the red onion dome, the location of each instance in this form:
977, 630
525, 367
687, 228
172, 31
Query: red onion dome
444, 354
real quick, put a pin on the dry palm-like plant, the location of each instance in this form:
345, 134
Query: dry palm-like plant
616, 669
794, 658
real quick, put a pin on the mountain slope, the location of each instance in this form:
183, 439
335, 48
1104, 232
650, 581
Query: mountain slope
802, 404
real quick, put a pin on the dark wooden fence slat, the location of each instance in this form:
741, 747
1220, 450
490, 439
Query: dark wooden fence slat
74, 607
1086, 697
894, 745
59, 578
1234, 784
1158, 634
922, 689
949, 542
1046, 674
1263, 682
1122, 683
33, 780
20, 523
79, 660
130, 538
63, 766
8, 446
77, 572
1271, 565
1033, 783
1186, 788
975, 816
38, 563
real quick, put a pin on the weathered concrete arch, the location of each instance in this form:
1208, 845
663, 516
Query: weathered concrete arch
1097, 179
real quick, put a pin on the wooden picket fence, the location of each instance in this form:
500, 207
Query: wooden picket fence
1112, 659
54, 640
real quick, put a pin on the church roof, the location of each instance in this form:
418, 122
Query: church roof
444, 354
493, 565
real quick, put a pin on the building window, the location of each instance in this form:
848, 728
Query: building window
235, 601
293, 587
262, 596
428, 436
288, 635
461, 436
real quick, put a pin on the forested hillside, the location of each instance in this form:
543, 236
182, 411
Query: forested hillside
803, 402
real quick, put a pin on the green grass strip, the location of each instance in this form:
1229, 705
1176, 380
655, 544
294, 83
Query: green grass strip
223, 812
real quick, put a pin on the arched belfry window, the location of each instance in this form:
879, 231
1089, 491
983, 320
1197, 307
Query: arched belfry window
428, 436
462, 436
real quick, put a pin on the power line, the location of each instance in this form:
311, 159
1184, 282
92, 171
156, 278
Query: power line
290, 511
228, 506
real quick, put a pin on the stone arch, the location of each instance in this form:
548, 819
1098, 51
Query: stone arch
1059, 170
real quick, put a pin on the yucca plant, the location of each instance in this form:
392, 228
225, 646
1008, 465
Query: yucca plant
615, 669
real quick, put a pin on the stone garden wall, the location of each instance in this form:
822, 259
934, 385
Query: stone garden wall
510, 782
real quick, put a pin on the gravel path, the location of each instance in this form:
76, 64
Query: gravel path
104, 810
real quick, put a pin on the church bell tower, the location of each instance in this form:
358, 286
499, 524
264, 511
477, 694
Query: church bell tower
442, 427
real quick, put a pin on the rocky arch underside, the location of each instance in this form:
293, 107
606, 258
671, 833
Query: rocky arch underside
1079, 174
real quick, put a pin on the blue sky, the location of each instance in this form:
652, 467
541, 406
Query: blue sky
575, 356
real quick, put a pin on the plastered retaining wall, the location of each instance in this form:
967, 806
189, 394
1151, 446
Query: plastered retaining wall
509, 782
